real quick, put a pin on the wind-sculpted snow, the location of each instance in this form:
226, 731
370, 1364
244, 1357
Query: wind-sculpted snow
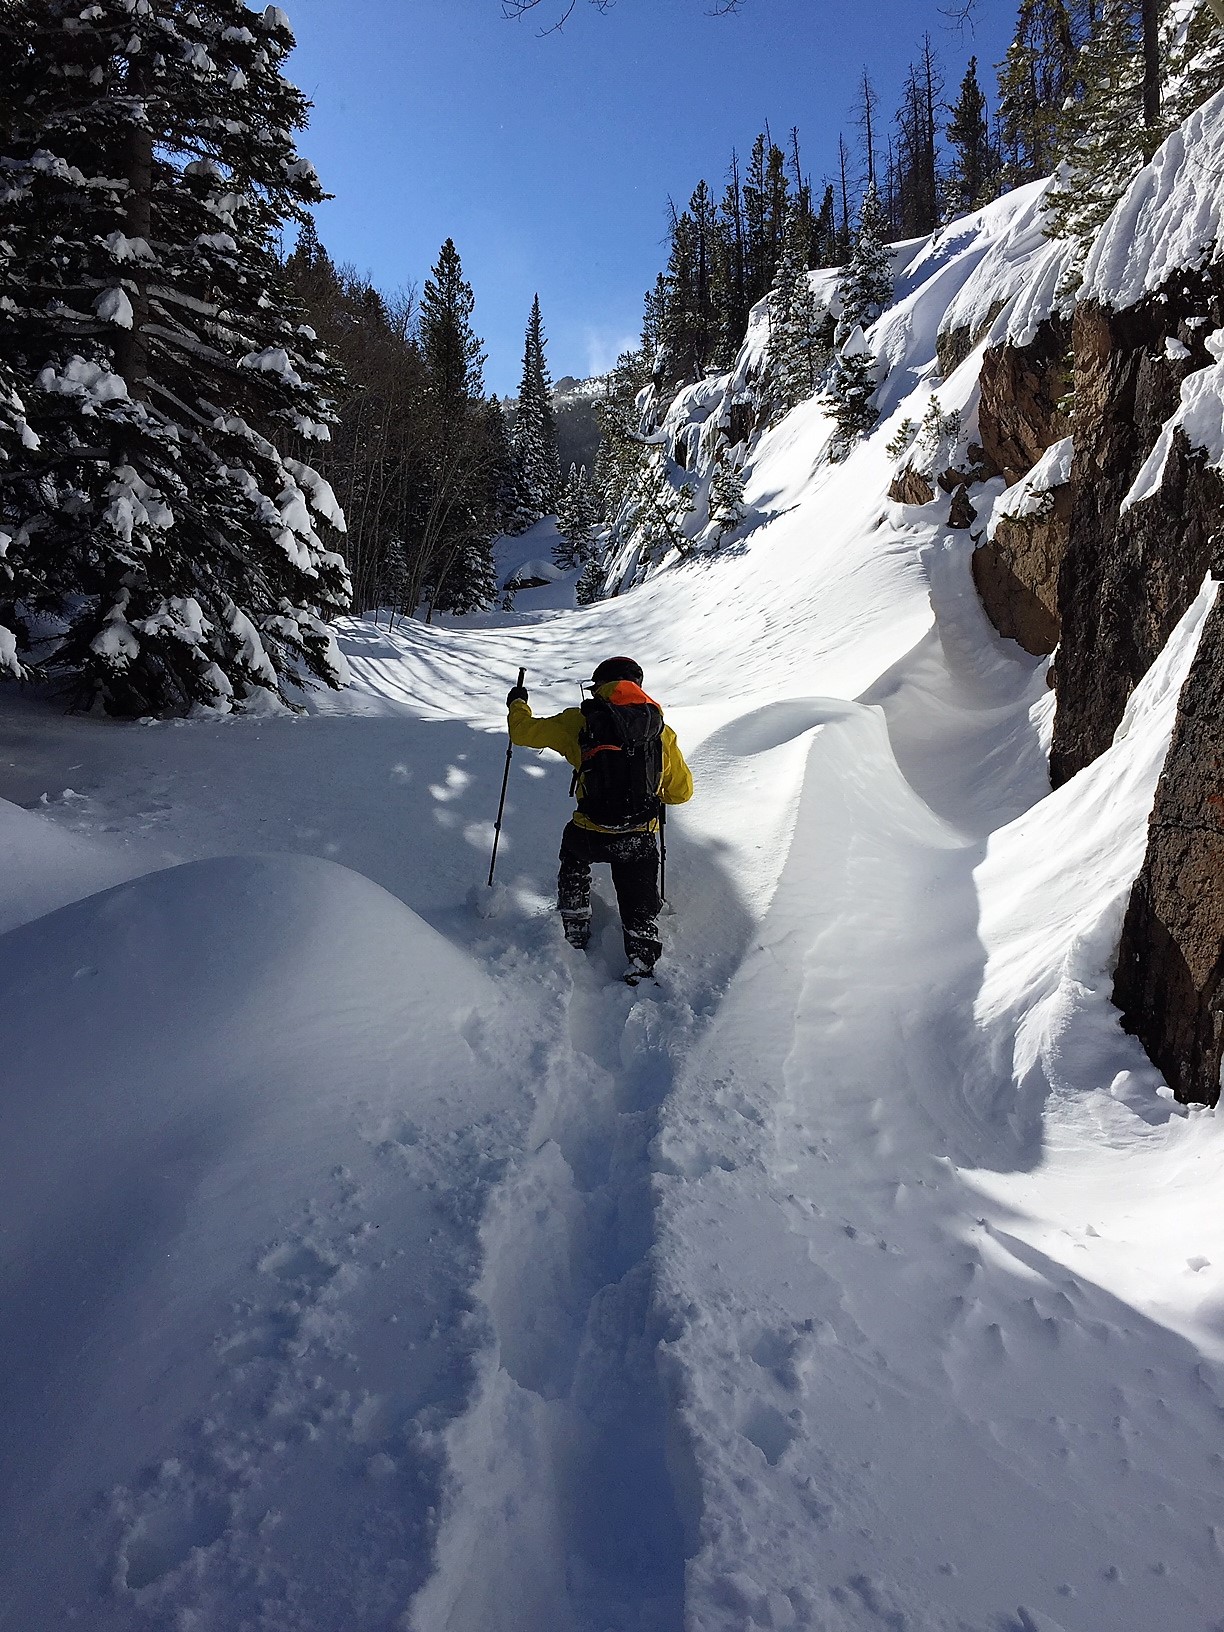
247, 1131
373, 1262
1168, 221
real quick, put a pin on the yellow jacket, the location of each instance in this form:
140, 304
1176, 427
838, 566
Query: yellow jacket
560, 732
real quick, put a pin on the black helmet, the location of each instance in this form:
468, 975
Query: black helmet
617, 668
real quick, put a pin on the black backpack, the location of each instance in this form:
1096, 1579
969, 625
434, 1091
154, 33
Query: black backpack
622, 763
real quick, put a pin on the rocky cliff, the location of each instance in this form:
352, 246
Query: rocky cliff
1105, 562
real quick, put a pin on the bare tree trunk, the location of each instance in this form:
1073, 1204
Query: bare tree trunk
1151, 77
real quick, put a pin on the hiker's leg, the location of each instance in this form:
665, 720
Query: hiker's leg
635, 878
574, 887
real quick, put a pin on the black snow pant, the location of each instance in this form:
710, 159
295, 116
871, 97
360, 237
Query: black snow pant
634, 860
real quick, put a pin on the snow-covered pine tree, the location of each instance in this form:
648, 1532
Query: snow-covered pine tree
794, 366
1036, 78
576, 521
622, 450
535, 430
658, 509
1102, 135
590, 583
469, 583
727, 508
148, 161
851, 388
865, 287
973, 176
503, 489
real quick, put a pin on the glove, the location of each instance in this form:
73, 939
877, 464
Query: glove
516, 694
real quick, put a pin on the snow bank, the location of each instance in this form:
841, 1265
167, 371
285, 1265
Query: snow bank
1014, 286
239, 1094
1168, 220
43, 867
1200, 418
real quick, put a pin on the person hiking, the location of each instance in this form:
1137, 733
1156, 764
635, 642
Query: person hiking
627, 766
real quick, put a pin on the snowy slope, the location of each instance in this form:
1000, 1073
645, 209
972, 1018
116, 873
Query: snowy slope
371, 1263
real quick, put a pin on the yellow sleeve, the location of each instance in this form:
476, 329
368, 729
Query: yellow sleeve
677, 778
556, 731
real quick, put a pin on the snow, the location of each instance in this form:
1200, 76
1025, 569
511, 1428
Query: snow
855, 344
1199, 416
272, 360
318, 492
92, 383
123, 248
377, 1262
10, 664
1030, 496
1169, 219
1014, 287
113, 306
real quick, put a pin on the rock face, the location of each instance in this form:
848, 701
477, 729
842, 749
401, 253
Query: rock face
1170, 979
1016, 574
1021, 394
1108, 587
1020, 416
1126, 580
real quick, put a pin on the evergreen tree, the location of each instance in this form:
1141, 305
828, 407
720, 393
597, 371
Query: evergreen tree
658, 509
765, 198
1102, 135
535, 430
469, 582
590, 583
851, 389
453, 355
687, 326
17, 441
825, 250
502, 478
917, 158
729, 289
972, 175
865, 288
1193, 48
576, 521
393, 577
456, 564
727, 508
792, 316
149, 163
1037, 77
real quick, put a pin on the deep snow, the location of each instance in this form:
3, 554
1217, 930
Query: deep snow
369, 1262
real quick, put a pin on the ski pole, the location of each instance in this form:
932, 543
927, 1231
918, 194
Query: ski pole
501, 803
662, 852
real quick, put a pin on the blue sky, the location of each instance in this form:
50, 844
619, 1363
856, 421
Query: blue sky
549, 160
